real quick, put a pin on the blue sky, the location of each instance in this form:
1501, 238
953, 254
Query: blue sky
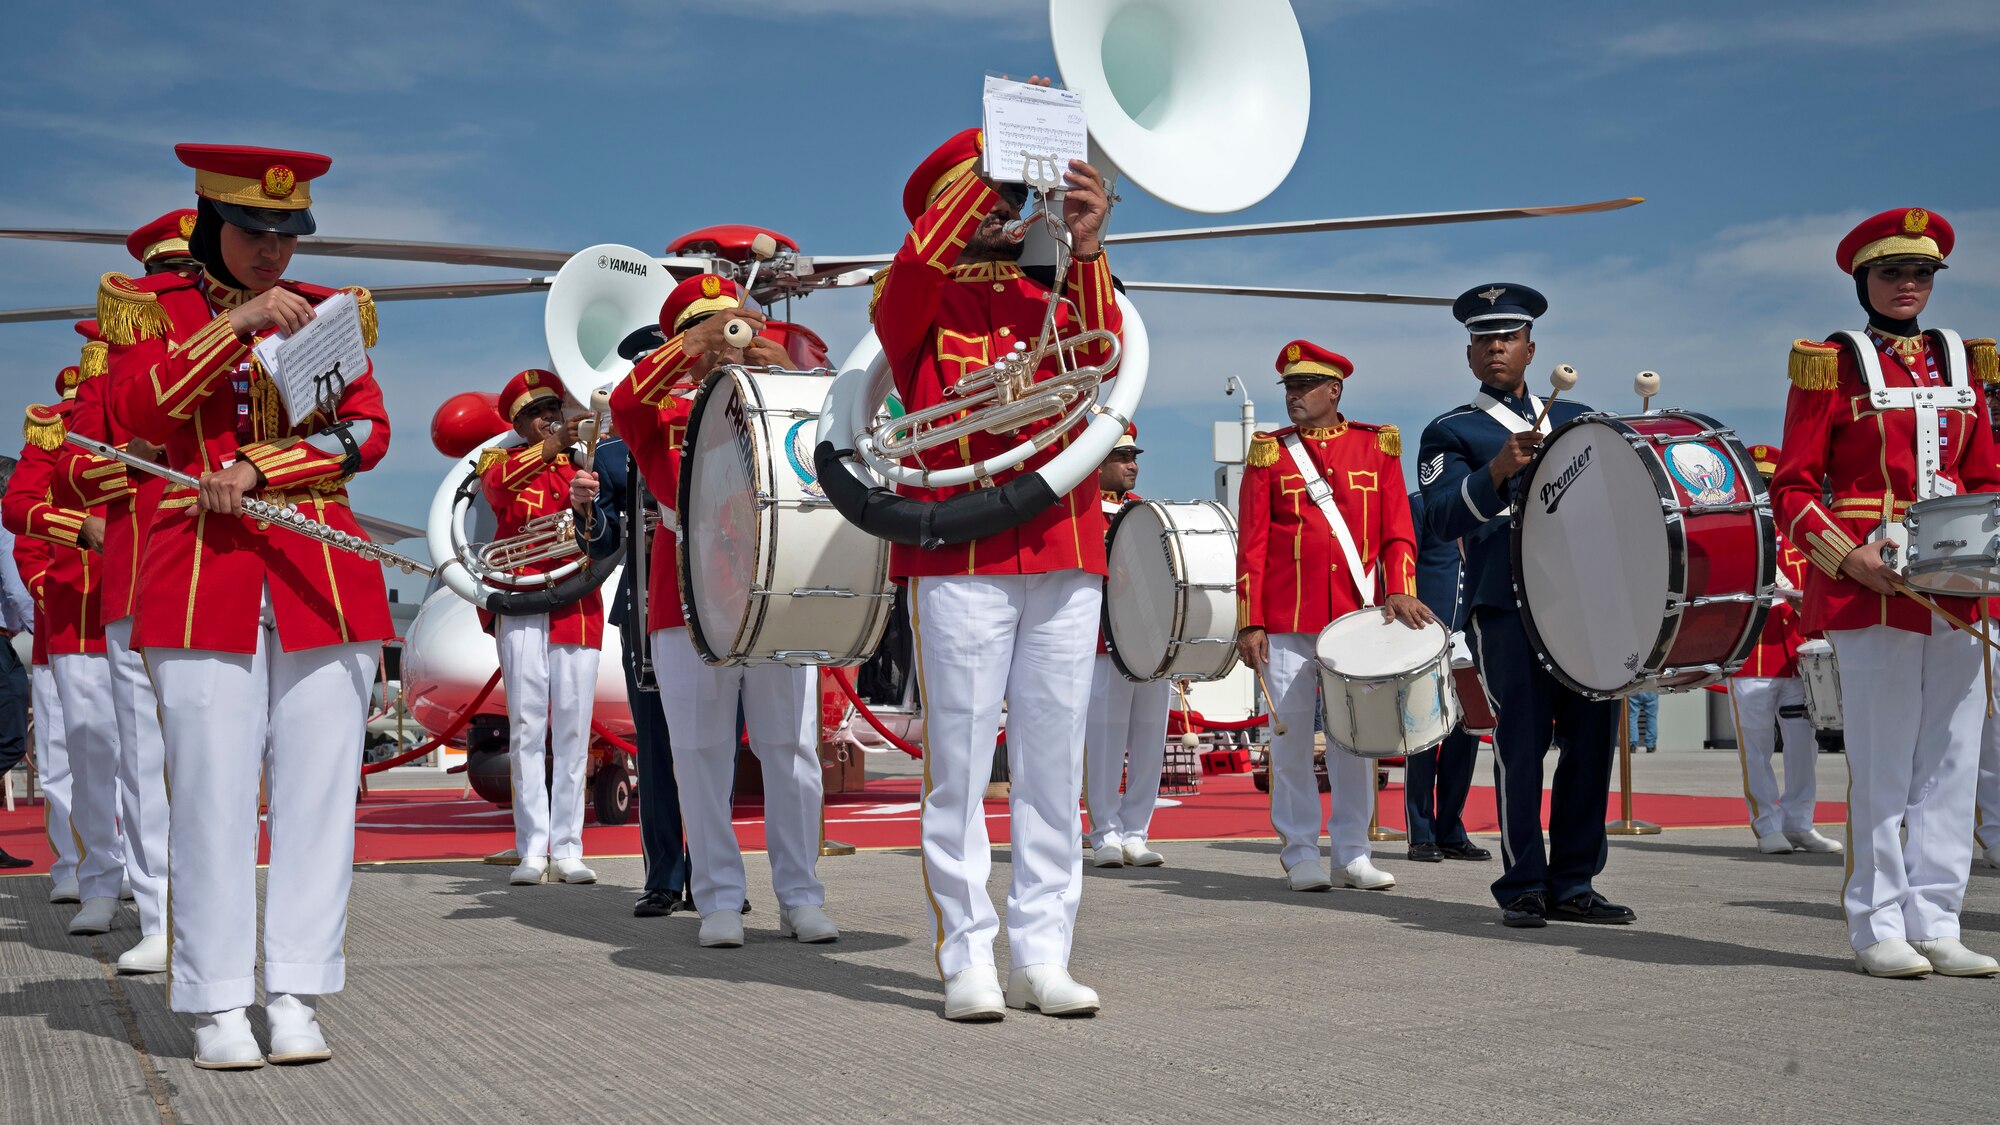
1759, 133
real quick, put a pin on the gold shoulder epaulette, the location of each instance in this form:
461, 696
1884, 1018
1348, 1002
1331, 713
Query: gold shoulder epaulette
127, 314
1389, 440
1263, 451
43, 428
492, 456
365, 302
1985, 360
94, 361
880, 279
1815, 365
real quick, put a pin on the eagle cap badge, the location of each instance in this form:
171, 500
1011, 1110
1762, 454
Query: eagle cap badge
711, 286
1916, 220
279, 181
1493, 295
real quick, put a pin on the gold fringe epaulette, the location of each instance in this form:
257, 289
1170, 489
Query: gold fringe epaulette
43, 428
1815, 365
365, 302
1389, 440
1263, 451
1985, 360
492, 456
880, 279
127, 314
95, 360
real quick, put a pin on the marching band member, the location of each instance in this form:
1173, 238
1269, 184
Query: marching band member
1469, 467
1435, 785
1008, 616
33, 557
17, 617
1323, 529
1909, 682
779, 703
1766, 694
262, 642
73, 597
1126, 734
548, 661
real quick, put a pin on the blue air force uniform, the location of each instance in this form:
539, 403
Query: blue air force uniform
1435, 785
1530, 706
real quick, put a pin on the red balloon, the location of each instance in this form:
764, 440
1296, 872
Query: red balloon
464, 420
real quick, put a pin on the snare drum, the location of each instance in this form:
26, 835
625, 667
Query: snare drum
1820, 673
1386, 687
1170, 596
1645, 555
770, 572
1475, 712
1954, 545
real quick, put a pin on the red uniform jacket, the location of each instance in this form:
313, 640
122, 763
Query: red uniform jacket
69, 598
1868, 458
520, 487
32, 557
180, 378
1777, 652
1291, 576
127, 501
652, 422
937, 321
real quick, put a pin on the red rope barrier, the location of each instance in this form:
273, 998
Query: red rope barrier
1203, 722
450, 733
861, 708
613, 739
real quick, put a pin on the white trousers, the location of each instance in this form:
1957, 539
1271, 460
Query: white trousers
1028, 640
1913, 711
142, 776
1295, 810
1126, 735
217, 710
52, 766
550, 690
780, 710
90, 729
1754, 702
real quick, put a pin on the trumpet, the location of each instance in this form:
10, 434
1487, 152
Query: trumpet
277, 515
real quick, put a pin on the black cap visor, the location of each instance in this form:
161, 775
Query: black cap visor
266, 218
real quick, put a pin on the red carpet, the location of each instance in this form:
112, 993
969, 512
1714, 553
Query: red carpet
440, 824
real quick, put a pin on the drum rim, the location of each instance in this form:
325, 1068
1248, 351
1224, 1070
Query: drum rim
1677, 554
1377, 610
1166, 661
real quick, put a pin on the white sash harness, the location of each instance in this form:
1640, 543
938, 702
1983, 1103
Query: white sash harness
1498, 411
1322, 496
1958, 393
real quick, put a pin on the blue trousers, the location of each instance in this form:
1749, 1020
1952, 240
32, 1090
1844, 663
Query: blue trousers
13, 708
660, 836
1434, 789
1644, 707
1532, 708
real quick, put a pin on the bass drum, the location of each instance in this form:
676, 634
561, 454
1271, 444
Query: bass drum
770, 572
1170, 597
1645, 555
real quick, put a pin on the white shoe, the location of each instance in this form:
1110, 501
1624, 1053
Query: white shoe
1139, 855
1364, 875
808, 924
295, 1034
149, 956
65, 891
1812, 841
1991, 856
1892, 958
96, 917
222, 1041
125, 889
1308, 875
530, 872
1952, 959
1774, 844
1049, 990
722, 929
1107, 854
573, 871
974, 996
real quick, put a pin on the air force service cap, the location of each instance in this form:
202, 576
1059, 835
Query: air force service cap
1504, 306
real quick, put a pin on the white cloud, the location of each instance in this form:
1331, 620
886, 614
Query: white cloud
1808, 26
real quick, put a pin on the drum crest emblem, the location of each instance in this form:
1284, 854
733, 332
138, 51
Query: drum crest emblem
799, 451
1703, 470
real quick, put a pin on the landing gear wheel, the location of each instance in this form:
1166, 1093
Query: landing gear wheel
611, 793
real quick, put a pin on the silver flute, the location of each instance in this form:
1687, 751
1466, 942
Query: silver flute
277, 515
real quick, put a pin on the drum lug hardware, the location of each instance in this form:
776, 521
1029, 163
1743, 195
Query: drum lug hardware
826, 592
811, 655
1204, 585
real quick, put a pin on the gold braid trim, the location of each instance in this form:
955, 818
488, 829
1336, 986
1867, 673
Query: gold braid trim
492, 456
1815, 366
127, 314
1263, 451
365, 303
95, 360
266, 405
880, 279
1389, 440
43, 433
1985, 360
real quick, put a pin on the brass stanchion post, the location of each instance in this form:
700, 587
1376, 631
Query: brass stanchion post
1625, 825
1375, 830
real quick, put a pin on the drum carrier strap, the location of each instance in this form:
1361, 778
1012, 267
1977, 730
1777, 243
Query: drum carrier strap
1926, 401
1322, 496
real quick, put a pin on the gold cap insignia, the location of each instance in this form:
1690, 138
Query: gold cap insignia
1915, 220
279, 182
187, 226
1292, 352
531, 379
711, 286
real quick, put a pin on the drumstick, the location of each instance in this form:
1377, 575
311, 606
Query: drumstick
1277, 724
1561, 379
1909, 592
1647, 383
762, 249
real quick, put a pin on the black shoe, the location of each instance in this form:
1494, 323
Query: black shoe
14, 860
1592, 907
684, 904
1650, 749
653, 904
1426, 853
1466, 850
1527, 911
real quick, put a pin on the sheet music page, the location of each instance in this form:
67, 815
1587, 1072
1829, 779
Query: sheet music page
325, 353
1041, 120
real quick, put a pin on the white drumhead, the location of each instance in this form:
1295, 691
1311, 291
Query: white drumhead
1594, 561
723, 466
1362, 646
1140, 589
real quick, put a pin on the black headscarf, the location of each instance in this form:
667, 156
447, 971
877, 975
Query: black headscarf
206, 243
1876, 320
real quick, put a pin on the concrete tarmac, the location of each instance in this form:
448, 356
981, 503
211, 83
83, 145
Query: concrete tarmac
1227, 997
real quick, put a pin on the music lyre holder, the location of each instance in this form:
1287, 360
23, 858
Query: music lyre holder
329, 387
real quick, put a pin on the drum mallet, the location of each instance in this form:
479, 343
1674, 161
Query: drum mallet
762, 249
1560, 380
1189, 738
1277, 724
1647, 383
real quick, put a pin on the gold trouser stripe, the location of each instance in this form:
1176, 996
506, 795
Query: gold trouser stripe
1743, 757
923, 857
